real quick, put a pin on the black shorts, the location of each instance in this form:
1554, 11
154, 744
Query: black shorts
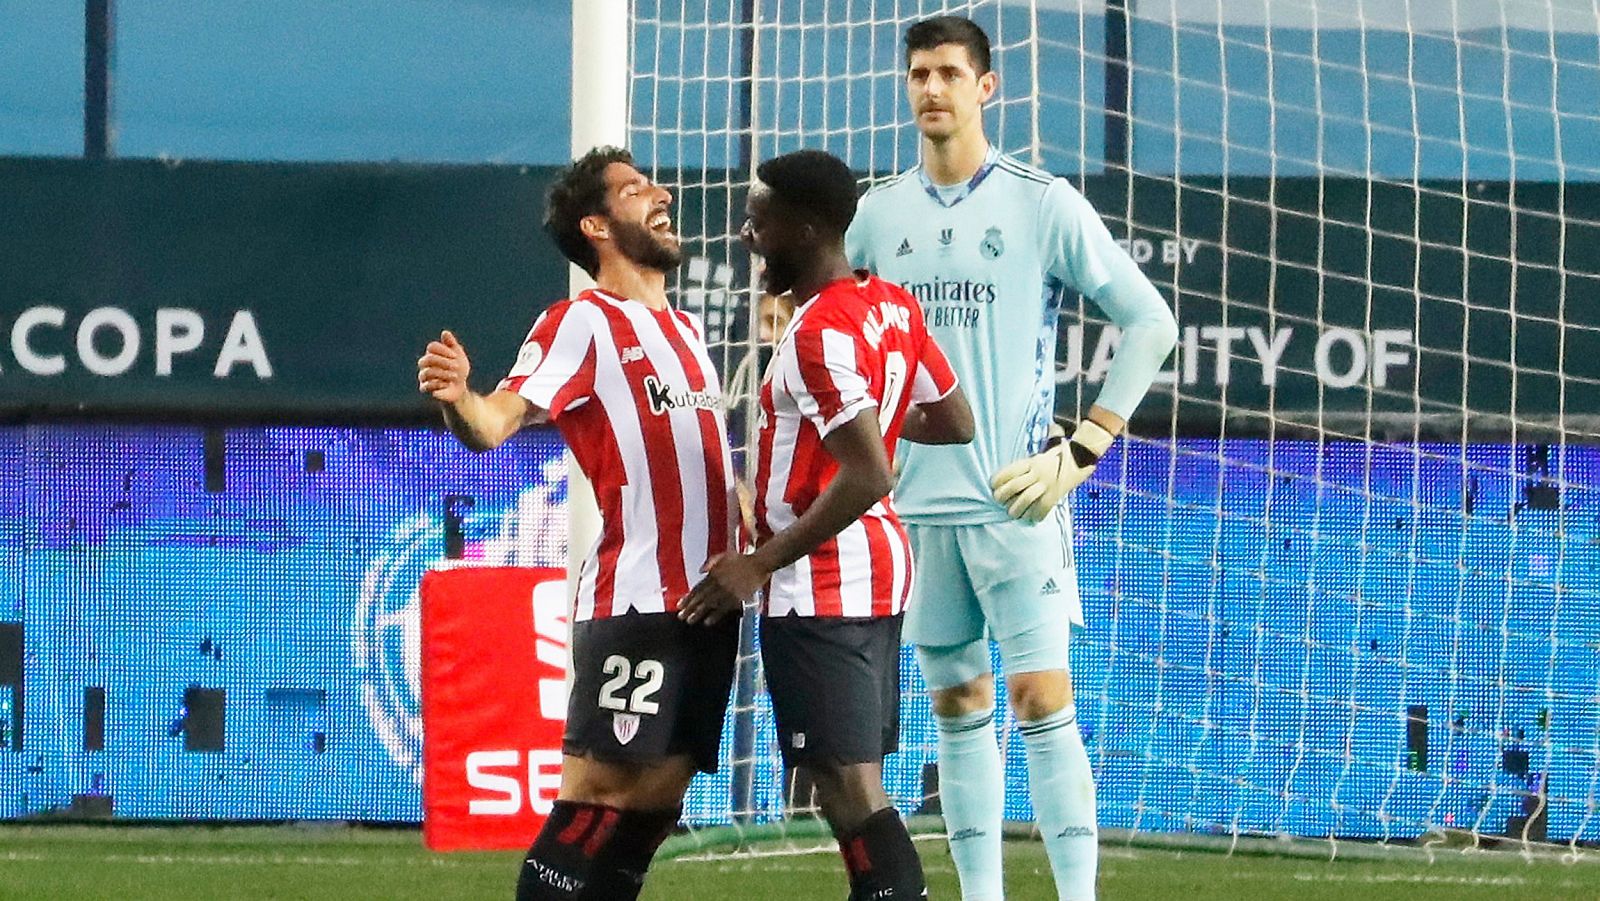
835, 686
647, 686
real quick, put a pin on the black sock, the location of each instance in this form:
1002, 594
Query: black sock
619, 870
559, 865
881, 860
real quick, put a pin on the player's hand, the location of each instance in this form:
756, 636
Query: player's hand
730, 578
1032, 487
443, 369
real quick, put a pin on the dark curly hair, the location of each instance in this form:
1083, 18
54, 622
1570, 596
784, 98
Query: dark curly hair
579, 191
813, 183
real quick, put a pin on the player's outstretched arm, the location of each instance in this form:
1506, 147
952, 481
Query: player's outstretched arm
863, 480
947, 420
480, 422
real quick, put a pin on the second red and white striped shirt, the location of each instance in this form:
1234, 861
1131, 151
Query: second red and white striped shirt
859, 344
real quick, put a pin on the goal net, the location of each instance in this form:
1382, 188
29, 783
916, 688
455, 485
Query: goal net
1343, 579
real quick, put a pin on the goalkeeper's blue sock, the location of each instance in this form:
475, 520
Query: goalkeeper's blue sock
972, 796
1061, 783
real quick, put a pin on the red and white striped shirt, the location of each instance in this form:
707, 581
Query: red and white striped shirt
634, 393
858, 344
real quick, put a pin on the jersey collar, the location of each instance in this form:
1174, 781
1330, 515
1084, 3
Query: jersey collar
858, 277
938, 193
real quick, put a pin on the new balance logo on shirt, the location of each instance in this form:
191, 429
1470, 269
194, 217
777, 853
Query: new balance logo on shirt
905, 248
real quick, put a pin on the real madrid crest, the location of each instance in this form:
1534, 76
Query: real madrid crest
992, 245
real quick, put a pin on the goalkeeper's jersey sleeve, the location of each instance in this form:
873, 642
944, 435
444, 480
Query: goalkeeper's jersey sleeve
990, 262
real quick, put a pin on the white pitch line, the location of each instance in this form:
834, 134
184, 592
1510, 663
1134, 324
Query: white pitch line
1411, 879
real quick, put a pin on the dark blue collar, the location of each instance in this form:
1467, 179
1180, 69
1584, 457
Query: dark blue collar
934, 190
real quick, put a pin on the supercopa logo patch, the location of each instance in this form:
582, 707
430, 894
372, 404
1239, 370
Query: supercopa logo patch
529, 358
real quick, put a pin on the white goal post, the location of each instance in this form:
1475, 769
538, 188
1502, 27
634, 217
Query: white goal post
1343, 580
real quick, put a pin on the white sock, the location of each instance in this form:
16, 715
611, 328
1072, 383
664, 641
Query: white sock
972, 795
1061, 783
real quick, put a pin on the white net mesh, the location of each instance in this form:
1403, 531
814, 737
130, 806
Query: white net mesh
1344, 581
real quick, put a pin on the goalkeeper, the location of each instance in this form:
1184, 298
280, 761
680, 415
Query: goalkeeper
990, 246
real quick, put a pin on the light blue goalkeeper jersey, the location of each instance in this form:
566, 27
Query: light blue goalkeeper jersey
991, 262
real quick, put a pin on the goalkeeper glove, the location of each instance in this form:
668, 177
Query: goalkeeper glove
1031, 487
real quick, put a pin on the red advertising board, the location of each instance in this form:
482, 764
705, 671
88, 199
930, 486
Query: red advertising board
494, 697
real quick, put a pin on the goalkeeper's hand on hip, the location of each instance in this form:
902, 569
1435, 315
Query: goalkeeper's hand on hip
1032, 487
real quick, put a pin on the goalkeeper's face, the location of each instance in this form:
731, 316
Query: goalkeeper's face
947, 94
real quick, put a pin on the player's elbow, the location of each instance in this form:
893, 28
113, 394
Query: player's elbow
959, 426
1152, 334
478, 444
874, 482
1164, 332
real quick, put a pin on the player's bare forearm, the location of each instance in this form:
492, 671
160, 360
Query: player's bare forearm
947, 420
1106, 419
481, 423
863, 479
484, 423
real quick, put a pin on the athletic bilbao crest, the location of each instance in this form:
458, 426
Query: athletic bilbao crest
624, 726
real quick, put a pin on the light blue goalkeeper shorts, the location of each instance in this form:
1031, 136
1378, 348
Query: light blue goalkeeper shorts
1012, 581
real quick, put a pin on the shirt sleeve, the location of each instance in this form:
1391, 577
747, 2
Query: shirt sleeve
858, 241
1080, 252
823, 376
554, 370
935, 377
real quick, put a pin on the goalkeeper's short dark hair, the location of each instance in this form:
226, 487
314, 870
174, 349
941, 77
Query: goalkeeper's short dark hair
578, 191
939, 30
814, 183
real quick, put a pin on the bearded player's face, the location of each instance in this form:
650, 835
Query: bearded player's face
638, 212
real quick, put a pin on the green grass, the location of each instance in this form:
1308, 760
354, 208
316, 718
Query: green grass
309, 863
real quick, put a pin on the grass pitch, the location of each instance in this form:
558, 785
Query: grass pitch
311, 863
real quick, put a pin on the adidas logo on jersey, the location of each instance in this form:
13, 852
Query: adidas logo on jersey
905, 248
1050, 587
